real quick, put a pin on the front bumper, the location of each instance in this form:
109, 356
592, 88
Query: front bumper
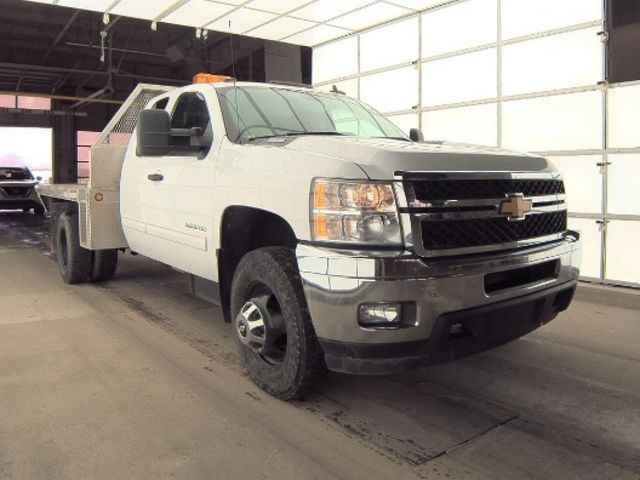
441, 293
14, 202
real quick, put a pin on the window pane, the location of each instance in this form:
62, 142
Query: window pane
34, 103
349, 87
462, 25
476, 124
583, 182
591, 245
84, 154
335, 60
526, 17
559, 122
405, 122
567, 60
624, 120
83, 170
623, 177
379, 47
457, 79
86, 138
622, 238
8, 101
391, 91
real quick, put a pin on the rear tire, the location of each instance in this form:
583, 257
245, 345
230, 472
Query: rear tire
294, 366
104, 264
74, 262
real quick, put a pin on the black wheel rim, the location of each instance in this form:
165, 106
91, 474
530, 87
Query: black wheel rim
260, 325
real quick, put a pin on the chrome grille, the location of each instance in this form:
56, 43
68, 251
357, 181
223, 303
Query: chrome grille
463, 213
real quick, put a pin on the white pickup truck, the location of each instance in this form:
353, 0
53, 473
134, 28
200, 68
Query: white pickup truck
330, 238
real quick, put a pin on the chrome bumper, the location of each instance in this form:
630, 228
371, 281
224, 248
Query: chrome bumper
336, 282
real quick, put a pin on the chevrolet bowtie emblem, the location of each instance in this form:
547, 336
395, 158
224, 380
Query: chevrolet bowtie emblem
515, 206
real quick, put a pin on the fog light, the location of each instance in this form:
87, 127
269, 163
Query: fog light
380, 314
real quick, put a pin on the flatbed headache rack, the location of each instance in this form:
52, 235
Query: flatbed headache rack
98, 201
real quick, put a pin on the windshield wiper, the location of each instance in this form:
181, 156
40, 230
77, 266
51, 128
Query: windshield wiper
295, 134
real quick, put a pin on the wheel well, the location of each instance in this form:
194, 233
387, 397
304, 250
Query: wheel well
242, 230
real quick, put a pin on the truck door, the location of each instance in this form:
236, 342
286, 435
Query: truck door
175, 191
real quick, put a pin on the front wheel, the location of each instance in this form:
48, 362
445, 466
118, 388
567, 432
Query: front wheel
277, 342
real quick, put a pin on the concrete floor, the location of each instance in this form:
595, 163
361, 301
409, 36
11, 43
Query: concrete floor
137, 379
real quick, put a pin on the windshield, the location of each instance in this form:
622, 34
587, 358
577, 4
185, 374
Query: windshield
261, 112
15, 174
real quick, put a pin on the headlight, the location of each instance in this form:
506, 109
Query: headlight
352, 211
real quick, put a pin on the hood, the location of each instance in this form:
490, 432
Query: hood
380, 159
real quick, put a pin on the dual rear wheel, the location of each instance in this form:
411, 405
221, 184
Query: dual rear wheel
275, 336
77, 264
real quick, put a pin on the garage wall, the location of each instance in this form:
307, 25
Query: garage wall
518, 74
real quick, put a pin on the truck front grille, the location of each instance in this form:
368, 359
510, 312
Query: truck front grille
489, 231
464, 213
429, 190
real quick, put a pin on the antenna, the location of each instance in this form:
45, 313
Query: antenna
235, 87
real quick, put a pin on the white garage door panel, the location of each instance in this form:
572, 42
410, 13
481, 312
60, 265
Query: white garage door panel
622, 239
559, 122
526, 66
391, 91
335, 60
624, 117
405, 122
476, 124
524, 17
463, 25
349, 87
591, 245
624, 180
583, 182
379, 47
458, 79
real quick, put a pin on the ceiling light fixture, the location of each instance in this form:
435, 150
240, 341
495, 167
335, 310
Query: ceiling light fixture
154, 25
198, 32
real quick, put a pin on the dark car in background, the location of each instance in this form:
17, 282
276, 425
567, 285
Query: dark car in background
17, 190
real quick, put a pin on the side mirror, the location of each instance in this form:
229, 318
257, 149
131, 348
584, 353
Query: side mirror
153, 133
416, 135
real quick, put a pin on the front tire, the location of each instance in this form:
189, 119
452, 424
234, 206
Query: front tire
277, 343
74, 262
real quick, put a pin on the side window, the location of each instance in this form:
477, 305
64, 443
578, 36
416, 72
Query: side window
161, 104
190, 111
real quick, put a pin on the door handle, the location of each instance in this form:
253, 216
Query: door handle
155, 177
